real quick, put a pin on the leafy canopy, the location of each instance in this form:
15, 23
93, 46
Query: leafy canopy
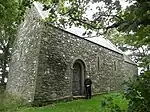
11, 14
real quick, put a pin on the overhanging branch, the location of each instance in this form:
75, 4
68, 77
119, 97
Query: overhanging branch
98, 18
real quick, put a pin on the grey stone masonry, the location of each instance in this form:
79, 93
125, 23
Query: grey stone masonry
24, 61
42, 68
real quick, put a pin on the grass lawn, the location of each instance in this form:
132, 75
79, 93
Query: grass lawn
82, 105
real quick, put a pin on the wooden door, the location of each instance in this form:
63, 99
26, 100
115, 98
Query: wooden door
76, 87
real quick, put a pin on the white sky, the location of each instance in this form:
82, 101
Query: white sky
89, 13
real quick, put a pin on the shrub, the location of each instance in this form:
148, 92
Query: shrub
108, 104
10, 103
138, 93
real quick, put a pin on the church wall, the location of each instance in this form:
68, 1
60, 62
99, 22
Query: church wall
53, 81
130, 70
24, 61
59, 49
42, 70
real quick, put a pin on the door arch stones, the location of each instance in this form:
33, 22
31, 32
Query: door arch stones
78, 78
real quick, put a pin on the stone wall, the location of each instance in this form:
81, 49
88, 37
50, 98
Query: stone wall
24, 62
41, 68
59, 50
130, 70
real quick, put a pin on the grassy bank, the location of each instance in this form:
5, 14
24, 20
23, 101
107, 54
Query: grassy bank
83, 105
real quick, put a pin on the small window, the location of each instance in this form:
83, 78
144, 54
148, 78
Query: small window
98, 66
115, 66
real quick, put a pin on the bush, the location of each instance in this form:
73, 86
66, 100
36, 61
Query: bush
10, 103
113, 103
138, 93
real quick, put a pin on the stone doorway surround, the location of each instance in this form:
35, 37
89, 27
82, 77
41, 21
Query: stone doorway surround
78, 76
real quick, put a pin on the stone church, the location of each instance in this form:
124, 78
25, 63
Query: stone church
50, 64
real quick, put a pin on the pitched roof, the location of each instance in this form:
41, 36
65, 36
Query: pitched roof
77, 31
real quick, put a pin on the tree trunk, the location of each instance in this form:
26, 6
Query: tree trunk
4, 65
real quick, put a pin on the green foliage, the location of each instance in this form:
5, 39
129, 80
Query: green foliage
75, 13
138, 46
11, 14
10, 103
112, 104
138, 94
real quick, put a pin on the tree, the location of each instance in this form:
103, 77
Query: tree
11, 14
108, 14
137, 49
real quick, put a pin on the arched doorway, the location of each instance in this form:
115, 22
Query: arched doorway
78, 78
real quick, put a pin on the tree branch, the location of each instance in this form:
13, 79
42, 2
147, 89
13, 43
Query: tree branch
107, 16
84, 22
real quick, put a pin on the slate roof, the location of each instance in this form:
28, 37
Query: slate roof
98, 40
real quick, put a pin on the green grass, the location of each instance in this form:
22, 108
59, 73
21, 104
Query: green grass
82, 105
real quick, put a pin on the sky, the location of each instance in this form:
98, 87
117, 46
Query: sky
80, 31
